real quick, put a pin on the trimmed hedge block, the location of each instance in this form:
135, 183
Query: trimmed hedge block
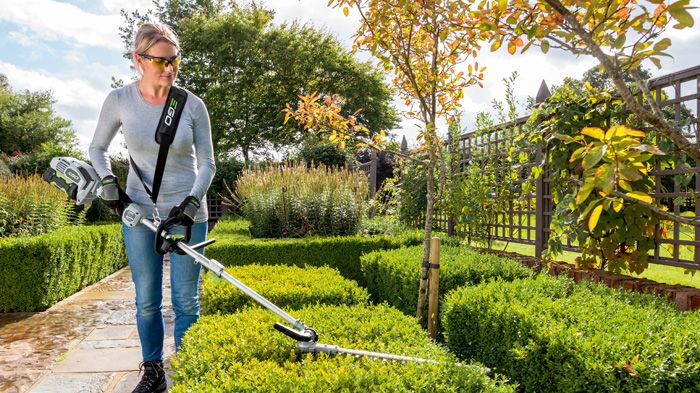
242, 353
232, 248
38, 271
289, 287
551, 335
392, 276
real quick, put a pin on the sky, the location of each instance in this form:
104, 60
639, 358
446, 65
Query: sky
72, 48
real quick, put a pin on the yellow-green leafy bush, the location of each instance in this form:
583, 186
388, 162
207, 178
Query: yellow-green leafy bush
392, 275
233, 248
38, 271
551, 335
289, 287
242, 353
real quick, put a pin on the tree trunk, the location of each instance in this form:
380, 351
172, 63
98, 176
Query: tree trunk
423, 288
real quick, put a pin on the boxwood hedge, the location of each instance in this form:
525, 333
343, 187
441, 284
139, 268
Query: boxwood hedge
242, 353
233, 248
38, 271
551, 335
392, 275
289, 287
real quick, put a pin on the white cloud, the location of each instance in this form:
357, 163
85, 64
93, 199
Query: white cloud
114, 6
54, 21
77, 100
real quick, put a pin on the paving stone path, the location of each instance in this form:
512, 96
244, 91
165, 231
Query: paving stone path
87, 343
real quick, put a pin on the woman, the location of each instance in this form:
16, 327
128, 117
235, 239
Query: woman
136, 109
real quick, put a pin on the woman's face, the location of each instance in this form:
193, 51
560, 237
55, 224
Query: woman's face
154, 69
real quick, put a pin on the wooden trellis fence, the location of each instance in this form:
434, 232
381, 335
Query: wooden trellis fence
528, 219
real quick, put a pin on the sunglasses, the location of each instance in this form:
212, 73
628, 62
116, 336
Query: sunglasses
162, 61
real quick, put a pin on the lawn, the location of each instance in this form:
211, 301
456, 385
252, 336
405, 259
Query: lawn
660, 273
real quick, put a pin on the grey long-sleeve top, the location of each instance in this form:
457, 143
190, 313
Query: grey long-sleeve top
190, 166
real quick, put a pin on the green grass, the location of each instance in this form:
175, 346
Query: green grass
659, 273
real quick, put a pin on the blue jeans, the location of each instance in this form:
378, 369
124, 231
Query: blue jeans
147, 273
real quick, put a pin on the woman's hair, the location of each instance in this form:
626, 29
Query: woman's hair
149, 34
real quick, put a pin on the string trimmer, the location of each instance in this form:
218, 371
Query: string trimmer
81, 183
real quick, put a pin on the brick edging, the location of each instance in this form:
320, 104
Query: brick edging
686, 298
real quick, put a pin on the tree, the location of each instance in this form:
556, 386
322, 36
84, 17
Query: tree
620, 34
601, 80
246, 69
420, 43
28, 120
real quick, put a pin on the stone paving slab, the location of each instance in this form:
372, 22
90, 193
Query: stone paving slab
86, 343
112, 333
74, 383
106, 295
100, 360
103, 344
18, 382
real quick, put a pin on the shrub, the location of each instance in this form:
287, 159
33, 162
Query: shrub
4, 169
288, 287
412, 193
392, 275
551, 335
30, 206
295, 201
227, 172
242, 353
232, 248
38, 271
382, 225
316, 153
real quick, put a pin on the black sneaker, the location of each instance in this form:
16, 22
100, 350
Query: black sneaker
153, 379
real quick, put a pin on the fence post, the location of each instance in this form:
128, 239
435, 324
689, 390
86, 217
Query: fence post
373, 173
433, 287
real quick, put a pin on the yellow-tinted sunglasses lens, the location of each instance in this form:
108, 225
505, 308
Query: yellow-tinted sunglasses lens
163, 62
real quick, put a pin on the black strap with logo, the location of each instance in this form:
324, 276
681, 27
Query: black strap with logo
165, 134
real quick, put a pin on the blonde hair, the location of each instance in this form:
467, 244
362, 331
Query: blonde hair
148, 35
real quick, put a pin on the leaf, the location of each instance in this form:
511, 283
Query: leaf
566, 138
594, 132
625, 186
511, 47
616, 131
588, 209
620, 41
346, 11
595, 216
630, 174
642, 196
496, 44
605, 179
584, 192
682, 16
638, 133
593, 156
617, 204
544, 46
662, 45
577, 154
